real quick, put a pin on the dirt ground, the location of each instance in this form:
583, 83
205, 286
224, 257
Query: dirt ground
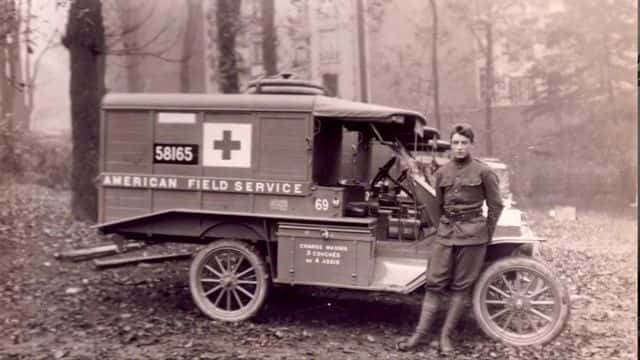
60, 310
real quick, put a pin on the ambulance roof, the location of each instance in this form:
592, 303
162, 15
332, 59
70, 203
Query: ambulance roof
318, 105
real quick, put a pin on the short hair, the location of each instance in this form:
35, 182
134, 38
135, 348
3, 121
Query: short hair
462, 129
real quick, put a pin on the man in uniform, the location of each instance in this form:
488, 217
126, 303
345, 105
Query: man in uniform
462, 185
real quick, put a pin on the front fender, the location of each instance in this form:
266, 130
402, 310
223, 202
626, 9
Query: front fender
503, 246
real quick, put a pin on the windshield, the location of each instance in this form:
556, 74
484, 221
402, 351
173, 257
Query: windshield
405, 159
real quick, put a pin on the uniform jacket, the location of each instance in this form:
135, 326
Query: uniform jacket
461, 189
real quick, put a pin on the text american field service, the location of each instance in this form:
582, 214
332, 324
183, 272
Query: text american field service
196, 183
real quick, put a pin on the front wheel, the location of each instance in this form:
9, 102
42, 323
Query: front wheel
228, 280
520, 301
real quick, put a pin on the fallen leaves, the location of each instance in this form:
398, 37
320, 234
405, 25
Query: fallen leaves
70, 311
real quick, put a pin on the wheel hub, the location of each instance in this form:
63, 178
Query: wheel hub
520, 303
228, 281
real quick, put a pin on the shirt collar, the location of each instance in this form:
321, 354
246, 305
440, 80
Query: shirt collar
463, 162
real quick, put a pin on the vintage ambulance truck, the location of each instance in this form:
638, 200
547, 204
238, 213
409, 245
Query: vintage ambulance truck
255, 179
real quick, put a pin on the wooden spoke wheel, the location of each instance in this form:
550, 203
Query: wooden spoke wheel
228, 280
520, 301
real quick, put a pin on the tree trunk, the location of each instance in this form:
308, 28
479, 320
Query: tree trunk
8, 161
269, 38
193, 7
6, 91
434, 63
6, 77
228, 22
29, 78
85, 40
488, 101
362, 53
15, 69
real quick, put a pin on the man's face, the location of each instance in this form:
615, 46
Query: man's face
461, 146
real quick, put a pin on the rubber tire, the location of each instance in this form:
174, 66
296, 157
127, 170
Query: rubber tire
541, 269
262, 277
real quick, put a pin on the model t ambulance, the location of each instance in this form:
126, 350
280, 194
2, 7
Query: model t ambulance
259, 180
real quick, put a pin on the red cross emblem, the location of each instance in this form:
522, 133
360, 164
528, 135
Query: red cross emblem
226, 144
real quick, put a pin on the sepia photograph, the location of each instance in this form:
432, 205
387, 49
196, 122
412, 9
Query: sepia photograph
319, 179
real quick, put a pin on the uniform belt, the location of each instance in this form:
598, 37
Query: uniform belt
463, 216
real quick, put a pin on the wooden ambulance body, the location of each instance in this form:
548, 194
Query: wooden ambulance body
237, 153
264, 168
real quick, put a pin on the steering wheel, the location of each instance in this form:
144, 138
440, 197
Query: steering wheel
403, 175
383, 172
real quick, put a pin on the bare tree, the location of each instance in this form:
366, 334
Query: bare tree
21, 51
6, 30
129, 37
13, 106
422, 88
132, 35
487, 20
32, 71
575, 71
85, 40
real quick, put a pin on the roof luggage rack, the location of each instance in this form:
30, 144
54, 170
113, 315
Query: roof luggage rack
284, 84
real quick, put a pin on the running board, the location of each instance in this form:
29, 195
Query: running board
390, 274
398, 274
97, 251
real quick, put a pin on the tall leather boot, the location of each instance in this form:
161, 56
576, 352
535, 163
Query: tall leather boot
456, 308
430, 306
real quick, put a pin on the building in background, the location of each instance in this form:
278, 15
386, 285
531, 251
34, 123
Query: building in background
317, 40
321, 41
334, 47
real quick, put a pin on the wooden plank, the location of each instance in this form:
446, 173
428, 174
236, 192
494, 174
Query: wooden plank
225, 201
130, 152
283, 148
128, 119
131, 135
128, 198
109, 263
97, 251
171, 199
172, 169
131, 157
178, 133
127, 167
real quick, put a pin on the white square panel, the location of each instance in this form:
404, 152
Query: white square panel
226, 145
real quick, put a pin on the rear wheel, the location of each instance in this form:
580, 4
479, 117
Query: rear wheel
228, 280
520, 301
